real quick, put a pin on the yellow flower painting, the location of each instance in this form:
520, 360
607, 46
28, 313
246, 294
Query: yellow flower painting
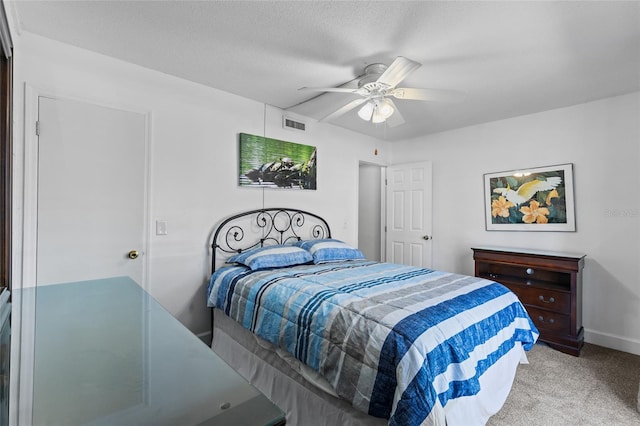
500, 207
534, 213
539, 199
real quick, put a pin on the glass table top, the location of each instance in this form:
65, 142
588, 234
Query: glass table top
106, 353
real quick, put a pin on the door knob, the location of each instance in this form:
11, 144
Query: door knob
426, 237
133, 254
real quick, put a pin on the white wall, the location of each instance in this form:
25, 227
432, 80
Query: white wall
194, 159
602, 140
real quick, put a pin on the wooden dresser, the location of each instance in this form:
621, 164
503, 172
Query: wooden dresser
549, 284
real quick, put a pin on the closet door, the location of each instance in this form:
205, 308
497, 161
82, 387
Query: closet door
91, 192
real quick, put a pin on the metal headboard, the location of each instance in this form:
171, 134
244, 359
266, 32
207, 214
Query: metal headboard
268, 226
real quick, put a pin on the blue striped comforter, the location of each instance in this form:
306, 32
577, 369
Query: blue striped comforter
396, 341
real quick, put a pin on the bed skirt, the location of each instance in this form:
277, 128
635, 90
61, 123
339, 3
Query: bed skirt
307, 399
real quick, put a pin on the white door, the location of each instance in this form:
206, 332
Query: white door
91, 192
408, 218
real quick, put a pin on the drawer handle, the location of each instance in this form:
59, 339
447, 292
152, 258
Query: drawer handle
551, 320
551, 299
529, 271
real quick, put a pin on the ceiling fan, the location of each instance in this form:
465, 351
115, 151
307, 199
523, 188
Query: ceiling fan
377, 86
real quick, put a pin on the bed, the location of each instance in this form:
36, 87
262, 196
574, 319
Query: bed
333, 338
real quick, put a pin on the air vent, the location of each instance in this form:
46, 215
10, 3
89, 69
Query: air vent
288, 123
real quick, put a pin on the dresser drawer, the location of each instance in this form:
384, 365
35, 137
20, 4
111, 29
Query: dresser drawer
553, 300
552, 321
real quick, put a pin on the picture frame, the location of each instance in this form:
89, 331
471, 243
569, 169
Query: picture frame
273, 163
533, 199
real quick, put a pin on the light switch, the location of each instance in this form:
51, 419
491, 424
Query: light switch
161, 227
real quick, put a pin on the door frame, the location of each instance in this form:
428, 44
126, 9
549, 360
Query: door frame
25, 214
380, 187
383, 212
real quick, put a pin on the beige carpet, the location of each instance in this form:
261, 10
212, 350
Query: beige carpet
598, 388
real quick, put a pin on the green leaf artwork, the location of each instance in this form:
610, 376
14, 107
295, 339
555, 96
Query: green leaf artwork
266, 162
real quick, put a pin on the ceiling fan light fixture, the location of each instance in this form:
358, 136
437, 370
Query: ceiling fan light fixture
366, 111
385, 108
377, 118
381, 111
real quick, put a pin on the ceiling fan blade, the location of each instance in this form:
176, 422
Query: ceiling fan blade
399, 69
348, 107
396, 118
435, 95
330, 89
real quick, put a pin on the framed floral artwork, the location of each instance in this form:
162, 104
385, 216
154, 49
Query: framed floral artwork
536, 199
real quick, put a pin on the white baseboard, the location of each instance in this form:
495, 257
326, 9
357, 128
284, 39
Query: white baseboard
612, 341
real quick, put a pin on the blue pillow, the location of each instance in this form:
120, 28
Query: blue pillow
330, 250
272, 257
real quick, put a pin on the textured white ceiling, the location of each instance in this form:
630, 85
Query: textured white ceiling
510, 58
